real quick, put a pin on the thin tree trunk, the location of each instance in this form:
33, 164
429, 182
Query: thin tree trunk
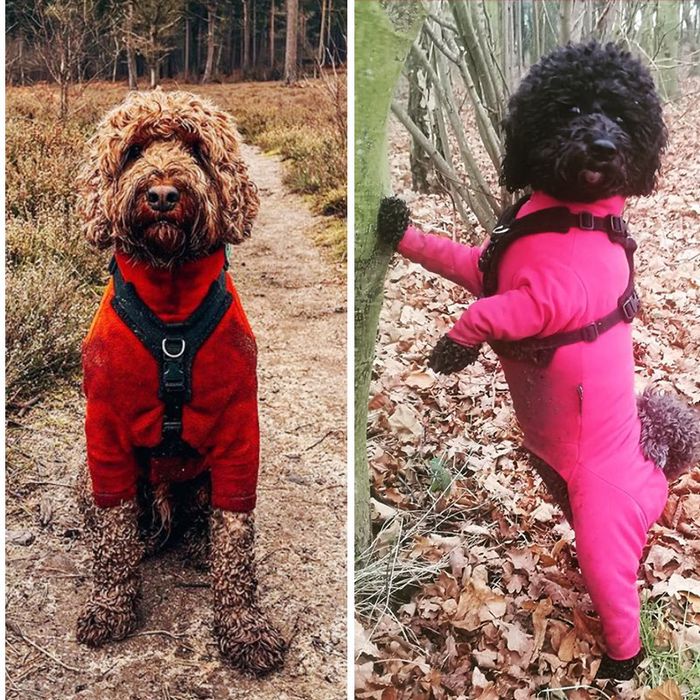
117, 51
565, 10
246, 35
321, 55
130, 57
290, 53
380, 51
253, 33
209, 66
186, 72
272, 34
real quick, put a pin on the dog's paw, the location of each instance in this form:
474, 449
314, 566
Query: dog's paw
105, 619
250, 642
619, 670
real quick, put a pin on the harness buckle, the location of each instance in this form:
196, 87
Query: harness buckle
617, 224
586, 221
630, 307
590, 333
171, 428
500, 230
173, 355
173, 377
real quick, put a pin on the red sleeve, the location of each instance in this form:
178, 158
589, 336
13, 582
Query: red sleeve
111, 461
456, 262
546, 301
235, 455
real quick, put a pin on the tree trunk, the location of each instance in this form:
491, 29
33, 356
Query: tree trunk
667, 45
321, 54
380, 51
422, 172
290, 52
186, 72
272, 34
253, 32
130, 57
246, 35
209, 66
565, 10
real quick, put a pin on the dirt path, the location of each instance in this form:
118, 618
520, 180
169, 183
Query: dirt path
296, 304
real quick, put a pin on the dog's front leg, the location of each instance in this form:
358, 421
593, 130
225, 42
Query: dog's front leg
244, 634
110, 613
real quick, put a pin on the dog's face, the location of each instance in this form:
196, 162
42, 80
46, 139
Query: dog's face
585, 124
164, 180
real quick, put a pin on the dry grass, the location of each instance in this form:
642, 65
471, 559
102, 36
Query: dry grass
54, 279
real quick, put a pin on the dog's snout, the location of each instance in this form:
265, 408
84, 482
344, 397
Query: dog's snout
162, 197
603, 149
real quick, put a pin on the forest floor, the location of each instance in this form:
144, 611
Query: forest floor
473, 589
295, 300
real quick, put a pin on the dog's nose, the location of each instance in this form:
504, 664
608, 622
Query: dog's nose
162, 197
603, 149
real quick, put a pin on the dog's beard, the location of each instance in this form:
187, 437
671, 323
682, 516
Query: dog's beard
564, 170
164, 239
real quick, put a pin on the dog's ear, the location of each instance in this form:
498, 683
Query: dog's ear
96, 226
514, 171
239, 195
240, 202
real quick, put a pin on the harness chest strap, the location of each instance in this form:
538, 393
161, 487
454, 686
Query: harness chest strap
174, 346
557, 220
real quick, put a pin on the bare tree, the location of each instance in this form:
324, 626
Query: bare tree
211, 40
63, 30
129, 42
272, 34
290, 53
153, 32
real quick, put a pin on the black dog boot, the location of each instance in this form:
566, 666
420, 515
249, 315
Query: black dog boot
393, 219
619, 670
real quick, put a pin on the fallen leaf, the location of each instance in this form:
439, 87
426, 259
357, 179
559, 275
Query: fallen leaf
666, 691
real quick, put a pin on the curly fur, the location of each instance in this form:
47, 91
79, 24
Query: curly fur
244, 634
670, 432
574, 96
110, 613
177, 140
166, 138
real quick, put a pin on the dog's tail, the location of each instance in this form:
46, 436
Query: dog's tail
670, 432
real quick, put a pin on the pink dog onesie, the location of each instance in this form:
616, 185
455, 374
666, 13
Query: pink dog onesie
579, 413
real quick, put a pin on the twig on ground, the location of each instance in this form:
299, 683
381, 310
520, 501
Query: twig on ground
18, 631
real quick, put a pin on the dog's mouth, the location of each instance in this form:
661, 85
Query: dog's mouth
165, 236
592, 177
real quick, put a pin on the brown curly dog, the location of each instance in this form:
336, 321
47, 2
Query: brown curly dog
169, 369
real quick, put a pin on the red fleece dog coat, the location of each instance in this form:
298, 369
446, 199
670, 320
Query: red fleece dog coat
121, 382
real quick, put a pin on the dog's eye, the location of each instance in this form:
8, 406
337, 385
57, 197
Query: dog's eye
619, 120
197, 152
132, 153
573, 109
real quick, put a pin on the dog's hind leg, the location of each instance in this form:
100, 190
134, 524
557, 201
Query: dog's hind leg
244, 634
195, 514
110, 613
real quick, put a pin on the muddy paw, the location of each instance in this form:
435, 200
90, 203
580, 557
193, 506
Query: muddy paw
102, 621
248, 640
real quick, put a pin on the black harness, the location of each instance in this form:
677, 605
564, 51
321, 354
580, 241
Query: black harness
540, 351
174, 346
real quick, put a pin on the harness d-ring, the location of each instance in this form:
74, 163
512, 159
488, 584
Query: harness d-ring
167, 353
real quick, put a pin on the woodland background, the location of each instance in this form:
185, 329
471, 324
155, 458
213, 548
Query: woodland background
467, 584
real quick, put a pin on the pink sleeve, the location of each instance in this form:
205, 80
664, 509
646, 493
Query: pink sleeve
544, 304
454, 261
